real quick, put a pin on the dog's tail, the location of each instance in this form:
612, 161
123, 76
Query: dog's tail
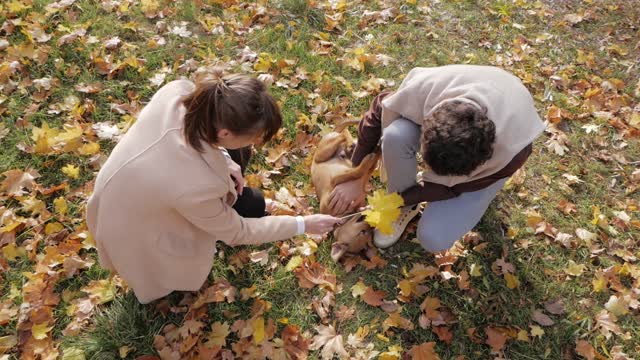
344, 124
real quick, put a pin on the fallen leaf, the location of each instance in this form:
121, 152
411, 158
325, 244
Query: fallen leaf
218, 335
584, 349
536, 331
495, 338
618, 306
541, 318
294, 262
424, 351
330, 342
258, 330
372, 297
555, 307
40, 331
71, 171
444, 334
511, 280
385, 209
575, 269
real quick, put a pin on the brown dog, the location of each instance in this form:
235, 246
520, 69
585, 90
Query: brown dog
331, 166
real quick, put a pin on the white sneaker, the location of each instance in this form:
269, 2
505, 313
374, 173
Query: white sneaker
407, 213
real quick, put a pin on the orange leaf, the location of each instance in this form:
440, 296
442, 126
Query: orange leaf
373, 298
444, 334
495, 338
424, 351
584, 349
430, 307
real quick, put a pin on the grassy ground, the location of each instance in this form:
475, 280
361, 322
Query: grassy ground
578, 58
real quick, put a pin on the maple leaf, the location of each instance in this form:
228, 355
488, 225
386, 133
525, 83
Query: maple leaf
495, 338
312, 274
218, 335
17, 180
424, 351
584, 349
372, 297
7, 343
555, 307
536, 331
617, 305
541, 318
444, 333
40, 331
295, 344
71, 171
396, 320
330, 342
575, 269
511, 280
384, 210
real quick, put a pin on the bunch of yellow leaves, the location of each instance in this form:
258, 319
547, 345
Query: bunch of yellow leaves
383, 210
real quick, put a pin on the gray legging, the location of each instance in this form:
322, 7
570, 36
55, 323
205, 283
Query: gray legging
442, 222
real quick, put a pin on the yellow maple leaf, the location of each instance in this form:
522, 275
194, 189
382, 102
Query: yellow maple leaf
17, 6
39, 331
264, 63
71, 171
293, 263
358, 289
10, 252
60, 205
384, 210
258, 330
512, 281
52, 228
575, 269
599, 283
74, 353
536, 331
218, 336
89, 148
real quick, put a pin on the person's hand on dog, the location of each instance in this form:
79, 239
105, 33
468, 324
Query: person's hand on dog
347, 197
319, 223
236, 175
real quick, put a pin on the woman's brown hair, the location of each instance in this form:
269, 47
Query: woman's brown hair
238, 103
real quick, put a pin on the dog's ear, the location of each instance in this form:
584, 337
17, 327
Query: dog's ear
337, 250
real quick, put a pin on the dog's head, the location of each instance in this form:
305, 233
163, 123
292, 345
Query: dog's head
351, 237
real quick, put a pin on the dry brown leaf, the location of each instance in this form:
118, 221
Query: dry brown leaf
295, 344
312, 274
584, 349
372, 297
396, 320
444, 334
496, 339
555, 307
541, 318
330, 342
425, 351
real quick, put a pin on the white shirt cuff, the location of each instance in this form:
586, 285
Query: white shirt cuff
300, 221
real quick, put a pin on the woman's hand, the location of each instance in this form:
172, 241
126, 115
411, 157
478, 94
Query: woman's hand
347, 197
236, 174
319, 223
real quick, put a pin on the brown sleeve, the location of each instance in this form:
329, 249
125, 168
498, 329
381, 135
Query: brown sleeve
427, 191
369, 130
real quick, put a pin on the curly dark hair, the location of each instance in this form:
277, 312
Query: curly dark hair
457, 137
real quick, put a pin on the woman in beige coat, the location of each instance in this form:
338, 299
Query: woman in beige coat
170, 189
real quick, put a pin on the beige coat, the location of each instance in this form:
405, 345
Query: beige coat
507, 102
159, 205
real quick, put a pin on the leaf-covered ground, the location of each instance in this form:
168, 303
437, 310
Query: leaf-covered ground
551, 272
